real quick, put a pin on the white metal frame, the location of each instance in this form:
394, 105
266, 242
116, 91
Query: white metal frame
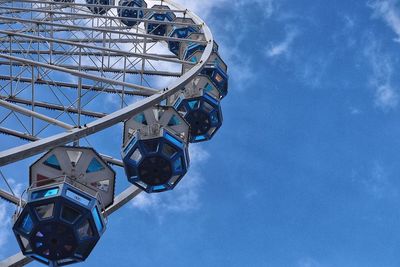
99, 36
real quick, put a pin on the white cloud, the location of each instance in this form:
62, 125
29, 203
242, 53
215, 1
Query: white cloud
387, 10
5, 226
376, 181
201, 8
386, 95
6, 210
283, 47
240, 69
312, 70
308, 262
355, 111
204, 8
185, 197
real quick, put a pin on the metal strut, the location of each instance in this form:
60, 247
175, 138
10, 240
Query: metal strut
103, 49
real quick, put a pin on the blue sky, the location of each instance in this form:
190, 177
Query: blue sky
305, 170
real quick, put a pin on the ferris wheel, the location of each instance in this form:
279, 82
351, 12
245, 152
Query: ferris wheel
145, 74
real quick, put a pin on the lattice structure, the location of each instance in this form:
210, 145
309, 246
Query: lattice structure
72, 69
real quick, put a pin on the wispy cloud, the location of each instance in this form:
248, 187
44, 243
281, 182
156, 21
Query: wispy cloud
375, 181
355, 111
378, 183
241, 69
184, 198
386, 95
6, 210
282, 48
204, 8
312, 70
308, 262
5, 224
389, 12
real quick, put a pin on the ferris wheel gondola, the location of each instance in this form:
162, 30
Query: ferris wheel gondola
71, 70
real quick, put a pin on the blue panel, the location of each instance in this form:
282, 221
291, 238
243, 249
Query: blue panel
194, 104
177, 102
40, 258
173, 139
159, 187
130, 13
178, 165
192, 49
52, 162
97, 220
179, 33
200, 138
131, 144
77, 197
44, 193
94, 166
174, 121
141, 119
211, 99
27, 224
214, 118
51, 192
208, 87
159, 16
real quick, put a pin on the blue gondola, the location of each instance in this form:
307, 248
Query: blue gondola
63, 220
215, 69
59, 225
101, 10
204, 115
156, 165
131, 13
180, 31
218, 77
157, 28
155, 153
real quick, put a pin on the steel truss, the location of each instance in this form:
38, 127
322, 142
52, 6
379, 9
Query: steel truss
58, 61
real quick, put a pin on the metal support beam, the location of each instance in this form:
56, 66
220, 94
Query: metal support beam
31, 138
18, 260
25, 151
18, 134
83, 53
123, 198
83, 28
30, 113
71, 85
78, 43
106, 69
11, 198
144, 89
75, 4
112, 161
94, 16
52, 106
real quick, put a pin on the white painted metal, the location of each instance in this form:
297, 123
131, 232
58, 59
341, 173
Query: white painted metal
41, 51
